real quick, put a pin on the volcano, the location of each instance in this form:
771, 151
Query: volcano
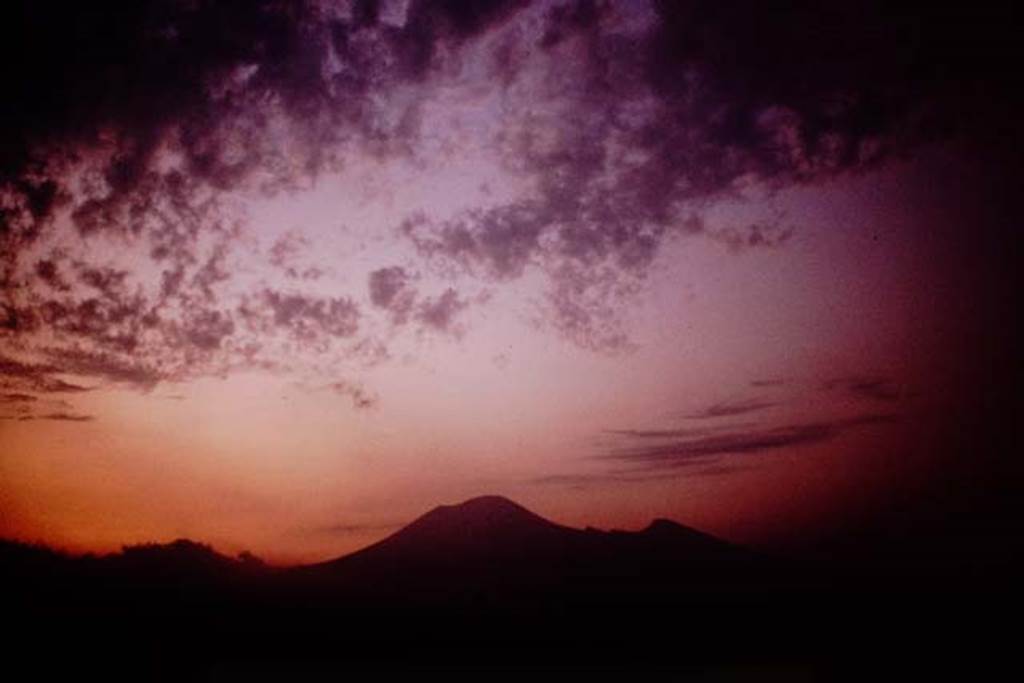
485, 582
491, 550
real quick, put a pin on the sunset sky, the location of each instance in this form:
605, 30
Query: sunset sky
284, 276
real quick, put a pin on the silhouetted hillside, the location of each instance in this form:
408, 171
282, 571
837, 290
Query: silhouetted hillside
485, 583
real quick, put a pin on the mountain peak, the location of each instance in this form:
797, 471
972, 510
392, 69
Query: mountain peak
481, 513
662, 525
487, 504
483, 523
666, 530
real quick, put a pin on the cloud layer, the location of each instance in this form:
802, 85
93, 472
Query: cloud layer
132, 140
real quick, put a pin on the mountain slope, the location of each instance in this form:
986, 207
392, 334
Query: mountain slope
491, 551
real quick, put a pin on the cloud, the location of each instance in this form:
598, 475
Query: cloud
583, 481
871, 388
637, 135
17, 398
57, 385
206, 329
357, 529
285, 254
390, 290
55, 416
877, 390
440, 313
621, 123
309, 318
78, 361
732, 409
34, 376
361, 398
66, 417
700, 449
700, 468
638, 456
662, 433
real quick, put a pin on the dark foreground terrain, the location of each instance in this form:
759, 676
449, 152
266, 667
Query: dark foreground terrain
487, 589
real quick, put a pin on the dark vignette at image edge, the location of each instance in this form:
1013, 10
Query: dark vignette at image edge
913, 602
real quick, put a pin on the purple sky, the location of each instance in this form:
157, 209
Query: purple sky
281, 279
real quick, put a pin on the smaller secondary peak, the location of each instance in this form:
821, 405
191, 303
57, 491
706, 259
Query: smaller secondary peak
668, 530
661, 525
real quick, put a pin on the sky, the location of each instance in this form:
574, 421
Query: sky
281, 277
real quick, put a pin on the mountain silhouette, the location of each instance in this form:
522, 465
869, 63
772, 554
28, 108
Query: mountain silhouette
479, 526
489, 553
494, 527
482, 583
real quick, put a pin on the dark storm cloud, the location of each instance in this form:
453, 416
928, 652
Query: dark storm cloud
731, 409
135, 121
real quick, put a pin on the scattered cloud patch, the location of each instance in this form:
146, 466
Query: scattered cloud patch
440, 314
360, 397
619, 122
390, 290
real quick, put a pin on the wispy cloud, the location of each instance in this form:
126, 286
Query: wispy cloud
645, 455
685, 451
361, 398
354, 529
57, 417
731, 409
17, 398
768, 382
662, 433
871, 388
702, 467
34, 376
